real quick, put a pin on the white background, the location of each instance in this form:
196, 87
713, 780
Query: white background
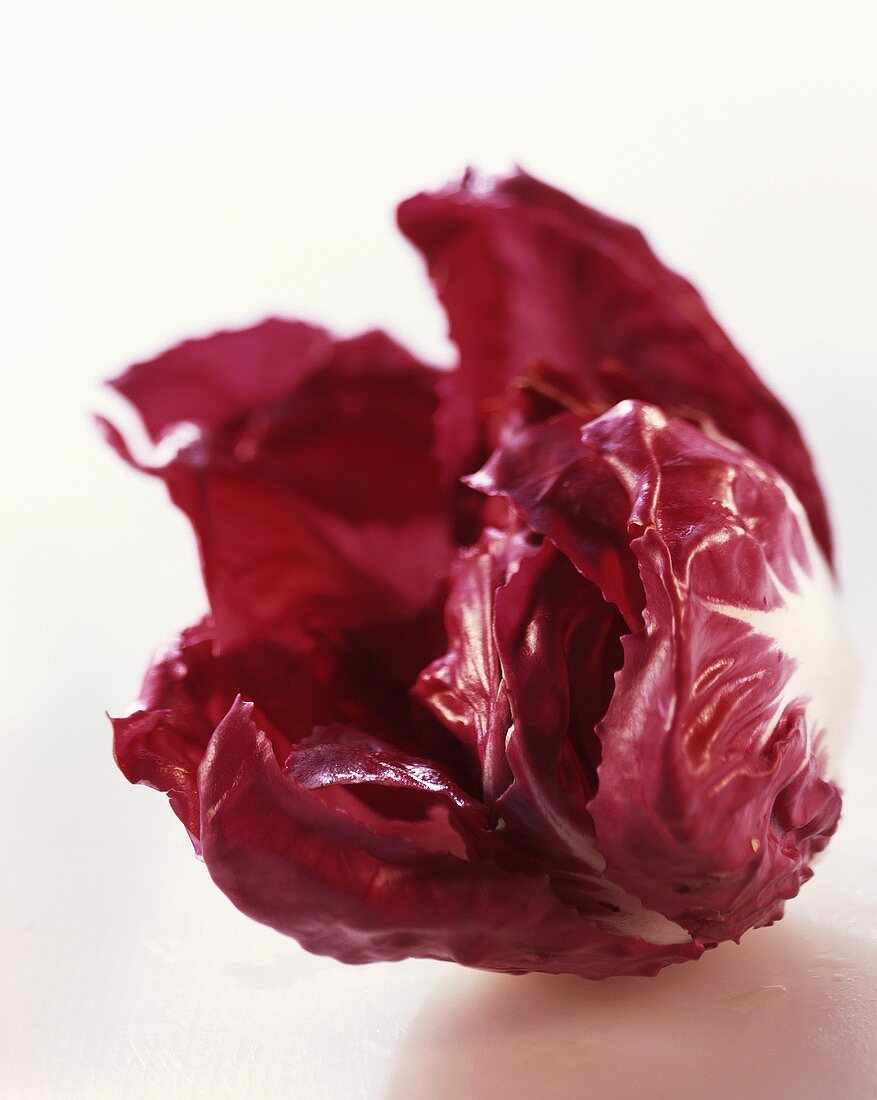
175, 167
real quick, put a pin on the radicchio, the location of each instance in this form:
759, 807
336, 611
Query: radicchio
529, 665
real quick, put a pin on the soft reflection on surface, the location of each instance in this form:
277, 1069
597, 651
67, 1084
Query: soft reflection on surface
791, 1012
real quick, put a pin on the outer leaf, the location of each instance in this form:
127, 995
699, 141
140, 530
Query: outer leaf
186, 692
289, 859
539, 286
317, 511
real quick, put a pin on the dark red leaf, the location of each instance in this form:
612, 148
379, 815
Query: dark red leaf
533, 281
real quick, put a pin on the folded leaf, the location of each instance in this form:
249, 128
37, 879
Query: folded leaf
734, 667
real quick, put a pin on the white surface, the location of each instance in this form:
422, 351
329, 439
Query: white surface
174, 167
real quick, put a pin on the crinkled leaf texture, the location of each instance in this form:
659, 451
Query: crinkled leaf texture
568, 716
